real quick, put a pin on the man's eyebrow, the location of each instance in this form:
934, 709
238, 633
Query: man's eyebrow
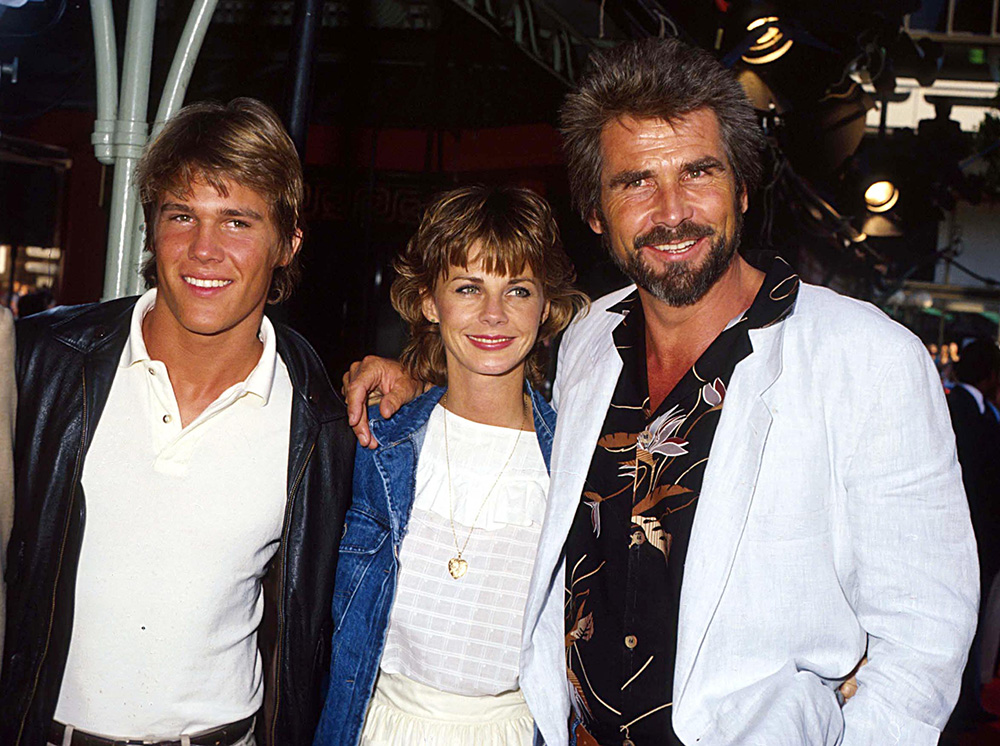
229, 212
707, 163
241, 212
627, 177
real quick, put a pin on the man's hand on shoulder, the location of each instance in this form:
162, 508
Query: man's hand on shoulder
376, 379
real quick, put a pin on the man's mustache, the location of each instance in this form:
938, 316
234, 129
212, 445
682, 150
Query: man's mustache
661, 235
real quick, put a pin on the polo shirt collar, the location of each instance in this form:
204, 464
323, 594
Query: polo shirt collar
261, 378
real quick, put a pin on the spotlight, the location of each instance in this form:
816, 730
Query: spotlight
771, 42
881, 196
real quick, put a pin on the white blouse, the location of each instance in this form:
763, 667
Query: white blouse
464, 636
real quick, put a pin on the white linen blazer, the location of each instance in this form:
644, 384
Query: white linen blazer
832, 523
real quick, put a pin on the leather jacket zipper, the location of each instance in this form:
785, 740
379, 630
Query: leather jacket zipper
62, 551
281, 594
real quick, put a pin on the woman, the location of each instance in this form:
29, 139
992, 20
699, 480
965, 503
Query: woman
440, 540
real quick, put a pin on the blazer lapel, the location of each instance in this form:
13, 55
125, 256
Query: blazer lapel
727, 492
583, 405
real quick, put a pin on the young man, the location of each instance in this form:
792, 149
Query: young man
754, 481
183, 467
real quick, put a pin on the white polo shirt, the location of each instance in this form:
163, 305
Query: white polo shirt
180, 524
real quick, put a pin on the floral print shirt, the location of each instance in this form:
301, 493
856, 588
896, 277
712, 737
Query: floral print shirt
625, 551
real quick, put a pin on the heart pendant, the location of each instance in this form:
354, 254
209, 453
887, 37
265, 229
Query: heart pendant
457, 567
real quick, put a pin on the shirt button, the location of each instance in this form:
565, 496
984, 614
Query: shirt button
151, 371
167, 418
631, 641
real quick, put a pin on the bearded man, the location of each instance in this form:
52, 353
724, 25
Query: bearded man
754, 482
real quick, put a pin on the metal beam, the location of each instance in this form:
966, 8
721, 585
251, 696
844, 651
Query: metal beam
308, 17
538, 31
951, 36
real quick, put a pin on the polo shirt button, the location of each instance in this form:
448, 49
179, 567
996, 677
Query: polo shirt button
631, 641
167, 418
151, 371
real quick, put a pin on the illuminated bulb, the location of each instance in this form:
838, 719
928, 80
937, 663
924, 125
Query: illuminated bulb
761, 21
881, 196
769, 46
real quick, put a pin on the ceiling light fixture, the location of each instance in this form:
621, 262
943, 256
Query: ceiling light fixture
881, 196
770, 45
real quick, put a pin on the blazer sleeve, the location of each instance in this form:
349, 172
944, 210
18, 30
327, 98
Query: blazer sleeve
916, 585
8, 397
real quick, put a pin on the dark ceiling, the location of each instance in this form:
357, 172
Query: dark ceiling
431, 62
449, 65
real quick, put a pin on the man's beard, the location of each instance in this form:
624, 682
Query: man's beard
678, 283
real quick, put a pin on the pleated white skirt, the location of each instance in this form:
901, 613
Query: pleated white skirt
404, 712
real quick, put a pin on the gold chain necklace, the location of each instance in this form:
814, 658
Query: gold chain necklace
457, 566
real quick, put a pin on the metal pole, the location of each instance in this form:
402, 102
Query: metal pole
106, 63
129, 139
305, 27
184, 60
174, 91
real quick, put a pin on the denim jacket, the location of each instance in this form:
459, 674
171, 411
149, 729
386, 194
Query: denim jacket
384, 487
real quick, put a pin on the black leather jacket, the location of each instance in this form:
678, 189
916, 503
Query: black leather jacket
66, 360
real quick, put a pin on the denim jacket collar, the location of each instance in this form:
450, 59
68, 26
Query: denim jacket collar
413, 416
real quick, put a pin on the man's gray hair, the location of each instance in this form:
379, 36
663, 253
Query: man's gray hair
655, 78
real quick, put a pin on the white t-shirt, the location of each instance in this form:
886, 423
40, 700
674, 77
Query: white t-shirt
464, 636
180, 525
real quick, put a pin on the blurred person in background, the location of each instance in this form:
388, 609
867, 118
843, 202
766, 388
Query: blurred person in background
36, 302
977, 438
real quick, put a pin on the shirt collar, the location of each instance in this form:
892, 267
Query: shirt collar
977, 395
135, 349
773, 302
261, 378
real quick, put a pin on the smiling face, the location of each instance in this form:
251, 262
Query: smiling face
488, 322
670, 210
214, 258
